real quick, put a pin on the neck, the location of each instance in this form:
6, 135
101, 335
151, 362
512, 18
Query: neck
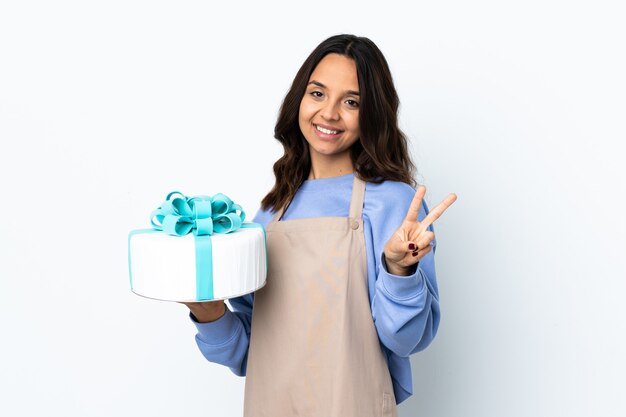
330, 166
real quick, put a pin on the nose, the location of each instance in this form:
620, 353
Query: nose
330, 111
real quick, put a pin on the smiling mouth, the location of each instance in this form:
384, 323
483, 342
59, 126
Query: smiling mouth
327, 131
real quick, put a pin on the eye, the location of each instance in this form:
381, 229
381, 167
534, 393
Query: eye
316, 93
352, 103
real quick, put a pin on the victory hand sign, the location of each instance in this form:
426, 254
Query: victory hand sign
411, 242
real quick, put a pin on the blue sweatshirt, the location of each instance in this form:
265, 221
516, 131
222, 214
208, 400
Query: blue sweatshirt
405, 309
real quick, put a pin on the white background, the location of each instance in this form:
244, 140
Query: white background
518, 107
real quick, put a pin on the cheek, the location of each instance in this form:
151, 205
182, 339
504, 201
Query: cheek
306, 111
301, 118
354, 123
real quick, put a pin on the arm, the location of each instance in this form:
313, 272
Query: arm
226, 340
223, 334
405, 307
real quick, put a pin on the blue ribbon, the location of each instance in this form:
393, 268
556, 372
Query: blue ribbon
202, 216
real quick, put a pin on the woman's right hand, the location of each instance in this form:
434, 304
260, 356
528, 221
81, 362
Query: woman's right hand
206, 311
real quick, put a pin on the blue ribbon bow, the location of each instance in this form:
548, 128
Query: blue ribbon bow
202, 215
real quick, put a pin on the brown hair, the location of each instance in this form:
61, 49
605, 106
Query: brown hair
380, 153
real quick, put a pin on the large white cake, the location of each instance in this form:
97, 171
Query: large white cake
194, 267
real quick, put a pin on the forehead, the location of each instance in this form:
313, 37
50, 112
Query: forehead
336, 71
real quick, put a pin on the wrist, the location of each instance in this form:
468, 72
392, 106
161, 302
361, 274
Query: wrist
396, 269
208, 312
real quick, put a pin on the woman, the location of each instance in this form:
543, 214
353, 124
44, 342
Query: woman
351, 289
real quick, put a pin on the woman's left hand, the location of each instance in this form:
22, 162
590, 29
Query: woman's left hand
411, 242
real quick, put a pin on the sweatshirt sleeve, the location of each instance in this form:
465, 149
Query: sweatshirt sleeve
226, 340
405, 308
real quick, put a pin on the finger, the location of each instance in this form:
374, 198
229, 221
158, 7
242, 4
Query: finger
436, 212
401, 234
402, 247
414, 208
189, 304
423, 252
424, 240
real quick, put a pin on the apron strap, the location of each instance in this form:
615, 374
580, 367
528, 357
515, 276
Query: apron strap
358, 195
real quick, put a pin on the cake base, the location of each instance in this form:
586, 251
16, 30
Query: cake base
197, 268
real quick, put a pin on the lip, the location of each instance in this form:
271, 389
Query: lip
326, 135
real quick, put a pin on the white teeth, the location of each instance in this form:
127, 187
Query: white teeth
328, 132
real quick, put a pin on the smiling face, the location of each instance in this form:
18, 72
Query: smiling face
329, 112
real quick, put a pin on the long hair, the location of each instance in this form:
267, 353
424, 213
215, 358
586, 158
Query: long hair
380, 153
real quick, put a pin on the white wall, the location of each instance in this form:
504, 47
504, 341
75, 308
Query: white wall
518, 108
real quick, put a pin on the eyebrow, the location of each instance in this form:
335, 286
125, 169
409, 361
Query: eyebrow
319, 84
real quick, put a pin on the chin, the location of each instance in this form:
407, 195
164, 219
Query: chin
328, 152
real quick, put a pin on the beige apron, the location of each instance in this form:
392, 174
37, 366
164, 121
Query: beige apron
314, 350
